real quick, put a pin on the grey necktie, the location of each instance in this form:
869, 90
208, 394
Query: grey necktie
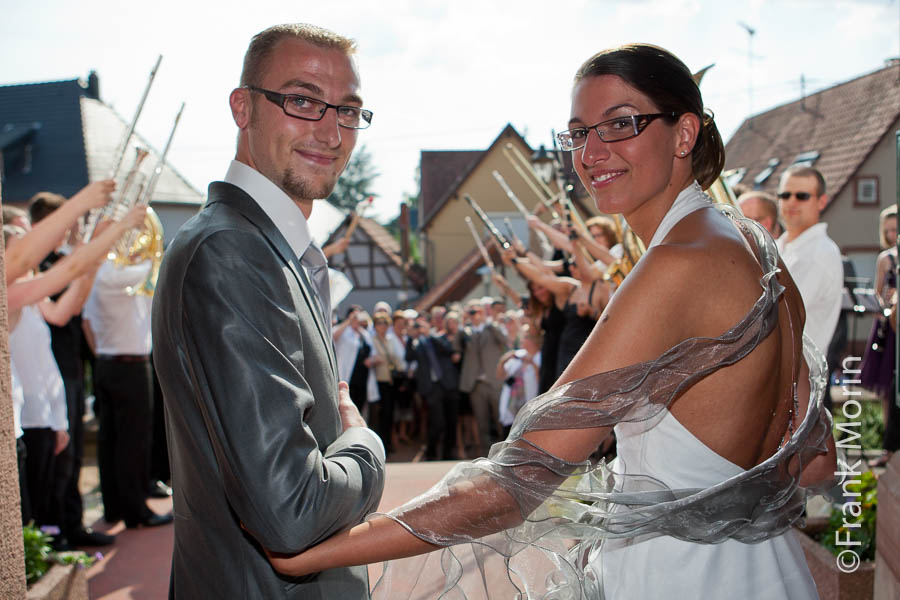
313, 260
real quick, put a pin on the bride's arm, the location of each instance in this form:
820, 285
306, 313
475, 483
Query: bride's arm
479, 507
373, 541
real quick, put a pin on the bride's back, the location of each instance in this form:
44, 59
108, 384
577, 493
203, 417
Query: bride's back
743, 411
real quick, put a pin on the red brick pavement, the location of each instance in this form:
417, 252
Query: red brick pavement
137, 566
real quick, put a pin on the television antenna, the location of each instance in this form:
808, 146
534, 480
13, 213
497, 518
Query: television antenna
750, 33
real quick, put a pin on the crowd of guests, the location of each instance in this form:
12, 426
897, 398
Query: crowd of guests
457, 375
69, 305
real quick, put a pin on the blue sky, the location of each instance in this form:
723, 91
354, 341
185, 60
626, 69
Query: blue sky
438, 74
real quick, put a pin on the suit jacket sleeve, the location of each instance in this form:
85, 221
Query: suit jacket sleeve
248, 361
498, 335
442, 345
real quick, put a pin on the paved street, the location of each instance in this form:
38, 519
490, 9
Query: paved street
137, 566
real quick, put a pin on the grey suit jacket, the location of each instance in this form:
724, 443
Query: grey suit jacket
249, 381
482, 354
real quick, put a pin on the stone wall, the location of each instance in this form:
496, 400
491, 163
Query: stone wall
12, 559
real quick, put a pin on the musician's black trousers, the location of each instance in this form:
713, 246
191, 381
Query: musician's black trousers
124, 408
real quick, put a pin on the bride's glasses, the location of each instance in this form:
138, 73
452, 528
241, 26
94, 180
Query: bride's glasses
613, 130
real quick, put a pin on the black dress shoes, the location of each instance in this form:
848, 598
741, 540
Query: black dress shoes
150, 519
159, 489
89, 537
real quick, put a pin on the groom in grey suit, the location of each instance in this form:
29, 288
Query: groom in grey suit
269, 455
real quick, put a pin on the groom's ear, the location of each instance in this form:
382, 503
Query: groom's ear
241, 107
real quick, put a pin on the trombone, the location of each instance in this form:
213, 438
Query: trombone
144, 243
95, 215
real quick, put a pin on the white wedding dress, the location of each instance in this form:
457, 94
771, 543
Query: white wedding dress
668, 519
664, 567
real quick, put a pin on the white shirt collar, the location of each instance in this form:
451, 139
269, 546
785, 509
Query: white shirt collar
277, 205
815, 231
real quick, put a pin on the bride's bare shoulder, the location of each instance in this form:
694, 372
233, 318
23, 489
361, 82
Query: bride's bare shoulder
704, 273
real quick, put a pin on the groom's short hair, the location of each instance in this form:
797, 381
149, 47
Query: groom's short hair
264, 42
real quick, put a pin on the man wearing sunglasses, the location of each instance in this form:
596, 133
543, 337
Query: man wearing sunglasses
269, 454
812, 258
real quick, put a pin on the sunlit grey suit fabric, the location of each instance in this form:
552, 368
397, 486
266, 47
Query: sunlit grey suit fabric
250, 386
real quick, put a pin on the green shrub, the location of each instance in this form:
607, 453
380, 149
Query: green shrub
39, 554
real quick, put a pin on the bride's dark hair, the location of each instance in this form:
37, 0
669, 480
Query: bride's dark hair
668, 83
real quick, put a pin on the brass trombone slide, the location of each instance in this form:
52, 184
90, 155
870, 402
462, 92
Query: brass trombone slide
481, 248
501, 240
157, 171
546, 247
125, 244
517, 155
529, 180
94, 216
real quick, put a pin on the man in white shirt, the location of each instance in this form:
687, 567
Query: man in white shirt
269, 454
812, 258
116, 324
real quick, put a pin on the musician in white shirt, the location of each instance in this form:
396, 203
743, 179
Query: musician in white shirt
812, 258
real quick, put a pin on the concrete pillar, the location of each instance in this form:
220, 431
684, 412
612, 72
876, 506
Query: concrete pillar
12, 557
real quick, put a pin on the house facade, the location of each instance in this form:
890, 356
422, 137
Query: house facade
849, 133
59, 136
454, 266
375, 265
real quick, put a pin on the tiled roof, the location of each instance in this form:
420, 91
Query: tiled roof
443, 291
104, 129
460, 280
56, 160
391, 247
843, 123
443, 171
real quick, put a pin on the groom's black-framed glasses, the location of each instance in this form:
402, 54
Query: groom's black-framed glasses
612, 130
312, 109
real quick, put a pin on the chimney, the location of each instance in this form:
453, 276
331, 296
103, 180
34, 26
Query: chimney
404, 232
93, 86
404, 242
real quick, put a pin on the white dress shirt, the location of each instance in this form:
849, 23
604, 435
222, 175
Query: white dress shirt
814, 262
43, 391
346, 349
291, 223
18, 398
288, 219
529, 381
120, 321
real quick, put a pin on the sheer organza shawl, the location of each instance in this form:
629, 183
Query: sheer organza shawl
553, 516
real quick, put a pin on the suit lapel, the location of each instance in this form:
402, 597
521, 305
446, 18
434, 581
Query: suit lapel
239, 200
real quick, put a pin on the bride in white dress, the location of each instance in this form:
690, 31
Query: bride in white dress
697, 362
